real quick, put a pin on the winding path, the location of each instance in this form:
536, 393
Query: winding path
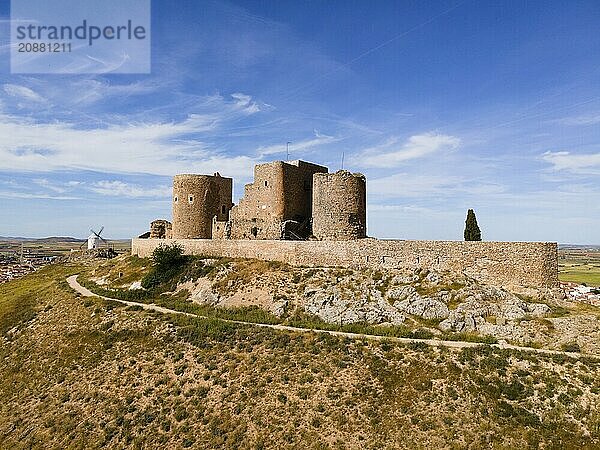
74, 284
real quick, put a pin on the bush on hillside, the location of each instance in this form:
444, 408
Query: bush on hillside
167, 256
168, 261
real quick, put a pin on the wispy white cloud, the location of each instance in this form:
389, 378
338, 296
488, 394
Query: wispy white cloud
578, 163
244, 102
420, 185
43, 182
161, 148
412, 185
23, 93
42, 196
377, 207
391, 153
297, 148
590, 119
121, 189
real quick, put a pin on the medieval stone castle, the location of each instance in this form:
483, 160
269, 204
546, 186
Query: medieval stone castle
299, 213
293, 200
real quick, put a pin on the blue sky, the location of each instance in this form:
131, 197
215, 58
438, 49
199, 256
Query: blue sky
444, 105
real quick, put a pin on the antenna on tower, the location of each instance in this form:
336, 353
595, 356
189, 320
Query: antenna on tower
287, 151
342, 160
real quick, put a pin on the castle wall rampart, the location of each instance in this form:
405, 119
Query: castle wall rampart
508, 264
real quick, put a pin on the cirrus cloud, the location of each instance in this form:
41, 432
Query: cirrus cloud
579, 163
392, 154
158, 147
23, 93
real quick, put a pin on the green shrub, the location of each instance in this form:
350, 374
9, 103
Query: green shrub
167, 262
571, 347
165, 256
469, 337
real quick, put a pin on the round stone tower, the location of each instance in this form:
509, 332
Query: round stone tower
196, 200
339, 206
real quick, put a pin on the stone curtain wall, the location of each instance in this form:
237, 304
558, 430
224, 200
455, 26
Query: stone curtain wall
508, 264
196, 200
339, 206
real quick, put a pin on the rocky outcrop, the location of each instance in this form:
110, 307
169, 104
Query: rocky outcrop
333, 307
414, 304
459, 303
472, 314
202, 292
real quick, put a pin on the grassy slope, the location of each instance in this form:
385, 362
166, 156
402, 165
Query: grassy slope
83, 373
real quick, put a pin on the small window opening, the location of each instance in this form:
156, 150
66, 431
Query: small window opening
266, 183
191, 199
175, 199
254, 231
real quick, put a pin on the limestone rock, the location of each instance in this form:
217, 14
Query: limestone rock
405, 279
538, 309
427, 308
206, 296
135, 285
433, 278
400, 293
369, 307
279, 307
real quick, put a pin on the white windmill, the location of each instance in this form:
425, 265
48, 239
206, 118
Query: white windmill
94, 240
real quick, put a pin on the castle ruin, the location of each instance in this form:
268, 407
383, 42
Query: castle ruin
284, 202
298, 213
339, 206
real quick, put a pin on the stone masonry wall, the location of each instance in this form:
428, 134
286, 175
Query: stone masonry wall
339, 206
508, 264
298, 188
161, 229
259, 212
280, 191
196, 200
220, 230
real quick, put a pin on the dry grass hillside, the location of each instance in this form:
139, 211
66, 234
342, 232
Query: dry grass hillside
88, 373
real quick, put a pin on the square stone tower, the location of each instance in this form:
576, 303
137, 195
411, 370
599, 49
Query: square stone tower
280, 195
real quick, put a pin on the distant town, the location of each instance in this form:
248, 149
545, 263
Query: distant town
16, 265
21, 256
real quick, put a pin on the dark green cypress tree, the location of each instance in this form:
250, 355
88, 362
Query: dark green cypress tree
472, 231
